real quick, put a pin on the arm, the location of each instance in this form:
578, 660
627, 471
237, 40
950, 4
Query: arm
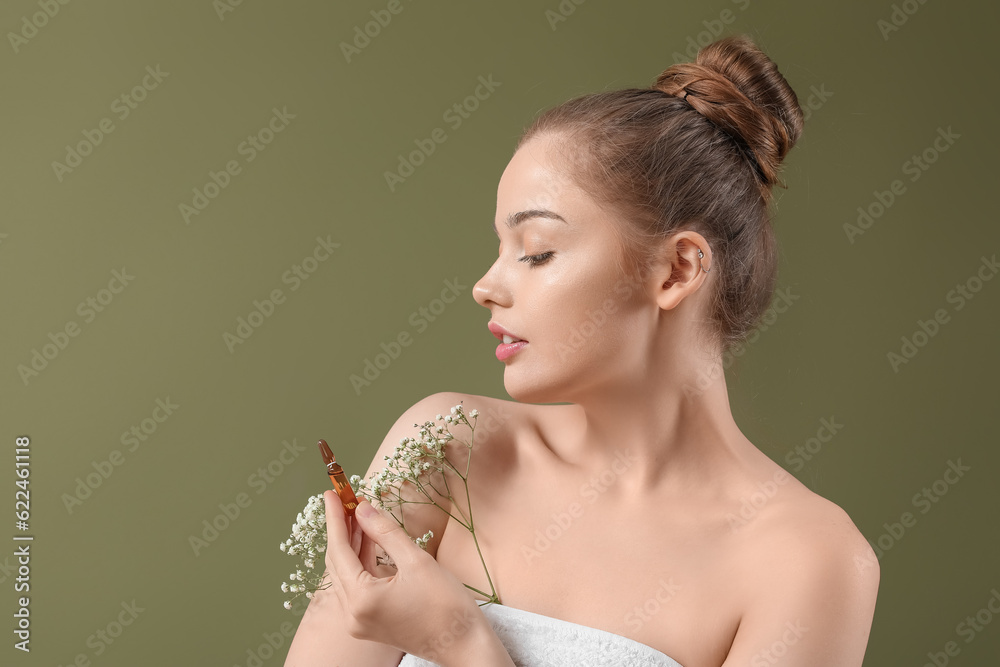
320, 644
322, 638
480, 647
814, 604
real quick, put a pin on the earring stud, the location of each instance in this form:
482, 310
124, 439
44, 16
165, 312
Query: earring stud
700, 256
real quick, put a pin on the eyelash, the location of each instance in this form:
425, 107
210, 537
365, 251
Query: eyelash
535, 260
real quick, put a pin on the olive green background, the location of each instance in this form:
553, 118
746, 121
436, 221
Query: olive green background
877, 101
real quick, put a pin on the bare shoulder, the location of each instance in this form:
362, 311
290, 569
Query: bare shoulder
812, 581
497, 418
802, 534
417, 515
494, 415
501, 409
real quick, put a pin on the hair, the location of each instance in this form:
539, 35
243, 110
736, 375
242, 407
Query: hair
700, 149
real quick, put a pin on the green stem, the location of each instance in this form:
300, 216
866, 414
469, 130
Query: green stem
472, 529
489, 598
464, 525
452, 466
465, 522
467, 519
468, 500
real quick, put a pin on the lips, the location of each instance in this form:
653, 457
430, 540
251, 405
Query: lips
503, 334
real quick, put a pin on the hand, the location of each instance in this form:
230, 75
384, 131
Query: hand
421, 608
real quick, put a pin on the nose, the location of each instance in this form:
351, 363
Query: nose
488, 289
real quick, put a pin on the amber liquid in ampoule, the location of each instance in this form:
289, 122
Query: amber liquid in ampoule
339, 479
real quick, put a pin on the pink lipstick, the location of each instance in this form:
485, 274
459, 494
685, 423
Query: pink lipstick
506, 349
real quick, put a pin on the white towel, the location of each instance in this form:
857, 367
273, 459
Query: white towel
534, 640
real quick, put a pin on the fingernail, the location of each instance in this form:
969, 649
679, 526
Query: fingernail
365, 509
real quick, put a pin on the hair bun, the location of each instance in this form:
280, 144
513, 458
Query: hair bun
739, 88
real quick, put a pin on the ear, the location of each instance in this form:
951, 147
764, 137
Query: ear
681, 272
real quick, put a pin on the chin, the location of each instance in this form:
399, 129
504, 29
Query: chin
533, 388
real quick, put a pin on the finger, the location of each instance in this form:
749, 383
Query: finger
387, 533
367, 553
340, 555
357, 538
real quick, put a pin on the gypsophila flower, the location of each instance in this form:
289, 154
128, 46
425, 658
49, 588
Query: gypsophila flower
308, 540
418, 461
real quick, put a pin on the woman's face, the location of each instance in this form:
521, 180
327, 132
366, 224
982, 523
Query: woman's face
557, 285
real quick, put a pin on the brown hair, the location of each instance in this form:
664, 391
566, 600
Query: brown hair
699, 150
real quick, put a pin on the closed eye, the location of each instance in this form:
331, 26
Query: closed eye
535, 260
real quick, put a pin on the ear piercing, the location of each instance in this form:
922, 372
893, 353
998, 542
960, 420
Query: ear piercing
700, 256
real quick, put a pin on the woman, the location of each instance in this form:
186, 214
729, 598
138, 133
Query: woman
635, 249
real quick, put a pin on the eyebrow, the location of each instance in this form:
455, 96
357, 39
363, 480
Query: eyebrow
514, 219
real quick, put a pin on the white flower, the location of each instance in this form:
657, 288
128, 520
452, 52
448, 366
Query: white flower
414, 460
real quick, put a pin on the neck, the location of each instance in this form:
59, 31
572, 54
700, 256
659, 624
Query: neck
669, 427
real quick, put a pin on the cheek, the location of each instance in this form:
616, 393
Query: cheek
588, 320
